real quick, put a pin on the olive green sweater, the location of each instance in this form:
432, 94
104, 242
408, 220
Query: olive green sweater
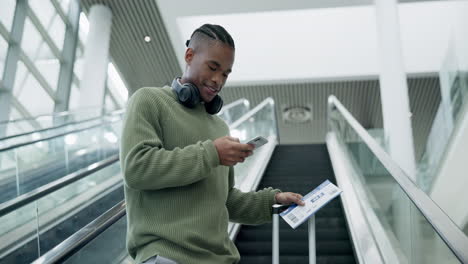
179, 198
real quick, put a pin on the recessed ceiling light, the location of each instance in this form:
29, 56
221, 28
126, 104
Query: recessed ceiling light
147, 38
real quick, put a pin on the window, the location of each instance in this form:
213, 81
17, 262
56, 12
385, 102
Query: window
3, 52
7, 12
50, 20
39, 52
65, 4
30, 93
74, 102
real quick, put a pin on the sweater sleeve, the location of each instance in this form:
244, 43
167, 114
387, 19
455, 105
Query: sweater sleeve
251, 208
146, 165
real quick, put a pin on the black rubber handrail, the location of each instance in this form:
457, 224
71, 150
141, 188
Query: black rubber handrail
64, 113
117, 112
55, 136
42, 191
81, 238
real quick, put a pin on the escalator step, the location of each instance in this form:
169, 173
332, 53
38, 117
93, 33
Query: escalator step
299, 169
287, 235
266, 259
336, 247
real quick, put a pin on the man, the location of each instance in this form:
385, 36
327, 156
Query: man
177, 161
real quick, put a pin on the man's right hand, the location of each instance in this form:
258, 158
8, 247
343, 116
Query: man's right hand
231, 151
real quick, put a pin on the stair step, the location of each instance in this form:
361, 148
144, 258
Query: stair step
320, 222
325, 259
337, 247
299, 168
291, 235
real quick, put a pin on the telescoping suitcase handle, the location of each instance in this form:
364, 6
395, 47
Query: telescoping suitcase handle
277, 208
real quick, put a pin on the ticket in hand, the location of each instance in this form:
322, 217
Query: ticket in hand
295, 215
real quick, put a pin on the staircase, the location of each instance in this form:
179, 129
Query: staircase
299, 168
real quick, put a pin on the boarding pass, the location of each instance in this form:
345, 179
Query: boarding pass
295, 215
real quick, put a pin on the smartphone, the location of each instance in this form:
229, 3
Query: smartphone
257, 141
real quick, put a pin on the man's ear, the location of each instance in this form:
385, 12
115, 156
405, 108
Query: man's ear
189, 55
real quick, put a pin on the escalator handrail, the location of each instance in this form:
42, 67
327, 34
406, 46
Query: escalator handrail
455, 239
227, 107
233, 104
74, 243
56, 136
117, 112
13, 204
64, 113
78, 240
252, 112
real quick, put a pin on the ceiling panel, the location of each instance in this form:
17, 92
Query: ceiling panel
141, 63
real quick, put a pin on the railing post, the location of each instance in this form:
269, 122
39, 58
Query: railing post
312, 253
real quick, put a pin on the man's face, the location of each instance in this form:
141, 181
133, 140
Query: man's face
208, 68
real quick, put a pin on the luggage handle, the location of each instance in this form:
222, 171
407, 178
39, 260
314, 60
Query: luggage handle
277, 208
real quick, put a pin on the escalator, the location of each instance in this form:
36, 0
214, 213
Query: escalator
19, 127
365, 225
299, 169
39, 220
55, 204
29, 165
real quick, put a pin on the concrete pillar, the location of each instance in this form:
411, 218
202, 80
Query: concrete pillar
394, 88
397, 120
96, 57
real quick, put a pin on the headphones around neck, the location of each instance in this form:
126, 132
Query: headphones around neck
189, 96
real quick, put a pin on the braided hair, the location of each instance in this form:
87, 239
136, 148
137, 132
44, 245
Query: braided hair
210, 31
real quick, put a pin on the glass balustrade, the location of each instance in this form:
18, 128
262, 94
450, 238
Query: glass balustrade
25, 168
410, 236
37, 227
260, 121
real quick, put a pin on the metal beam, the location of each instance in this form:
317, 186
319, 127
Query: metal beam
60, 12
67, 75
113, 98
11, 61
4, 32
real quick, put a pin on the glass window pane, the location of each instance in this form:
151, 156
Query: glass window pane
109, 104
78, 67
50, 19
64, 4
3, 53
30, 93
50, 69
39, 52
74, 102
57, 31
7, 11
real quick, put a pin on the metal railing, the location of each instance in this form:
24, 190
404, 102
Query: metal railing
40, 192
57, 135
454, 238
117, 112
78, 240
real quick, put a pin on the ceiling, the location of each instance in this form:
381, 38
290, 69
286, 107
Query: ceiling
155, 64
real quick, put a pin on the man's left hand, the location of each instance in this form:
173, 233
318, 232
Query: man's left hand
286, 198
